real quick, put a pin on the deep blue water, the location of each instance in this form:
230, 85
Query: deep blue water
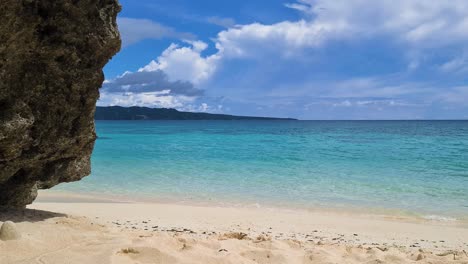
418, 167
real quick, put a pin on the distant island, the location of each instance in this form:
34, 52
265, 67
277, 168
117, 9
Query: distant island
145, 113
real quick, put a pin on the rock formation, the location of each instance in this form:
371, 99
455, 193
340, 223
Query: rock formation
51, 59
8, 231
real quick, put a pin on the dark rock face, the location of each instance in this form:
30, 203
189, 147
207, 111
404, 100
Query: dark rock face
51, 59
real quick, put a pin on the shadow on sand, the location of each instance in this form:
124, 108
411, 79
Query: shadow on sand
26, 215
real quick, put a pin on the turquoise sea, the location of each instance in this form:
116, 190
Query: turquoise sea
410, 167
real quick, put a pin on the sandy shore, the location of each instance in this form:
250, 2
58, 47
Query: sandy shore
105, 232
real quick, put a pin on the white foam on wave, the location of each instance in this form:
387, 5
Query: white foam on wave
439, 218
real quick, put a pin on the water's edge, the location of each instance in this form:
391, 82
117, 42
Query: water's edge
404, 167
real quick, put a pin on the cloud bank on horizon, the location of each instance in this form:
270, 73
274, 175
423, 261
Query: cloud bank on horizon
309, 59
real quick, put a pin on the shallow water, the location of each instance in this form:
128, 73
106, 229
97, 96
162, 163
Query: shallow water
416, 167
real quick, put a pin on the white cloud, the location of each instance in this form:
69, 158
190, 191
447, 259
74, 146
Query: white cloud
416, 23
416, 29
301, 6
345, 103
151, 99
458, 65
204, 107
135, 30
149, 81
374, 103
171, 81
185, 63
456, 95
285, 38
221, 21
150, 89
375, 87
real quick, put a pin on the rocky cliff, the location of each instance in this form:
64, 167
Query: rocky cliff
51, 59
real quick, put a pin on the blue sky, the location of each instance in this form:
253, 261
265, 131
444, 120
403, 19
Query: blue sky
308, 59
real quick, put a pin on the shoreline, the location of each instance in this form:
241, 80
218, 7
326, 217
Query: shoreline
290, 223
47, 196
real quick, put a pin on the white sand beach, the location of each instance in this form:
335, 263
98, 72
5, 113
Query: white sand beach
94, 231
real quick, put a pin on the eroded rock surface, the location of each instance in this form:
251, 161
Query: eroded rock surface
51, 59
8, 231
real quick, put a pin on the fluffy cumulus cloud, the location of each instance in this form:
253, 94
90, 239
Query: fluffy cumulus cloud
285, 38
149, 87
149, 81
152, 89
175, 80
414, 24
185, 62
421, 22
148, 99
170, 81
401, 57
417, 23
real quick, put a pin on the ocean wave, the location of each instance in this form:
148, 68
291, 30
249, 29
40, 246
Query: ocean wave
439, 218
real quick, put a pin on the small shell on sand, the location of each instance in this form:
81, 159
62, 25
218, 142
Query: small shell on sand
8, 231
